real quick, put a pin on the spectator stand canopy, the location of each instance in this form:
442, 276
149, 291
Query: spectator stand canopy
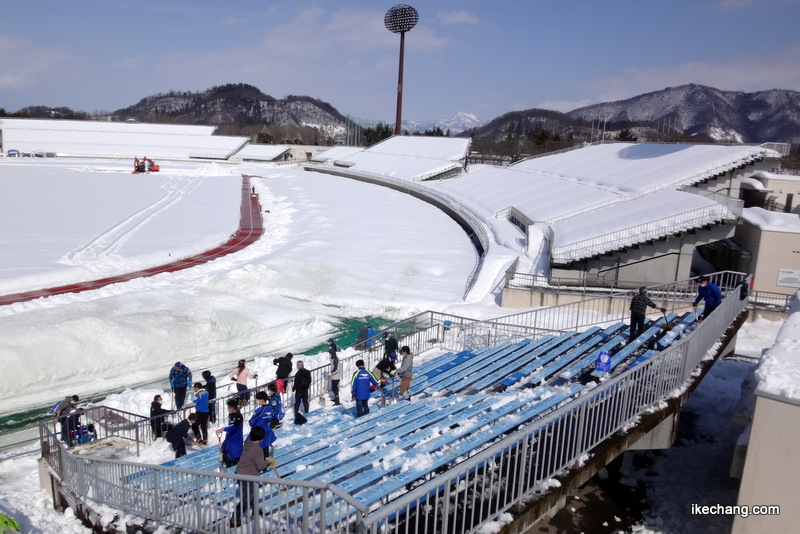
117, 139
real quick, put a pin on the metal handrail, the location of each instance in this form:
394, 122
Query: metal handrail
519, 467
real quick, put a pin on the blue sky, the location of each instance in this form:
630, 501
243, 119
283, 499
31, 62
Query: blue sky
479, 56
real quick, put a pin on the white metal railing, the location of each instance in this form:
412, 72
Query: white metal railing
514, 470
625, 237
200, 501
610, 304
781, 148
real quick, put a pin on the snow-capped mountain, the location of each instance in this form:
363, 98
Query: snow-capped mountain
456, 124
728, 116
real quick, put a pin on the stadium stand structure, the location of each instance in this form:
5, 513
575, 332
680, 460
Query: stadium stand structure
463, 402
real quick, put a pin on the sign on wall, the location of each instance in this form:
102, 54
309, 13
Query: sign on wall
788, 277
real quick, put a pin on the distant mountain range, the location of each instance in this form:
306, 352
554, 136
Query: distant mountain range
456, 124
692, 111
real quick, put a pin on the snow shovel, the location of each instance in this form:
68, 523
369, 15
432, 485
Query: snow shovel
283, 489
325, 393
666, 326
222, 467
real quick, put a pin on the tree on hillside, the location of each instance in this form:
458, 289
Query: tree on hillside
380, 132
626, 135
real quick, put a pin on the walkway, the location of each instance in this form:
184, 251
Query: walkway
250, 230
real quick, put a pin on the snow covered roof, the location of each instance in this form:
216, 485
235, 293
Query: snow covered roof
579, 192
262, 152
337, 152
778, 373
649, 217
397, 166
541, 197
405, 157
100, 139
81, 127
420, 146
635, 169
772, 221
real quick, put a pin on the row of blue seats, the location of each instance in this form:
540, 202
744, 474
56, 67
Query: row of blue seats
373, 479
451, 372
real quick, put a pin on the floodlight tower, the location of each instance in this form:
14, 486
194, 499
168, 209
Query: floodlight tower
400, 19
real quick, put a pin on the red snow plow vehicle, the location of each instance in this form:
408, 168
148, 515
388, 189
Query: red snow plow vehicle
144, 165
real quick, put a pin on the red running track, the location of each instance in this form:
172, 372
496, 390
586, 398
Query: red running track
251, 226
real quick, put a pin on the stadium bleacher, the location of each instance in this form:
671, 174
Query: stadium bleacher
464, 401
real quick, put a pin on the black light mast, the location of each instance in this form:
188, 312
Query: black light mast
400, 19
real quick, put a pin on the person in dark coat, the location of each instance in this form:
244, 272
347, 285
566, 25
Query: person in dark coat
211, 387
61, 413
709, 293
284, 364
363, 334
251, 463
159, 425
360, 388
234, 435
301, 385
639, 304
390, 344
386, 368
178, 433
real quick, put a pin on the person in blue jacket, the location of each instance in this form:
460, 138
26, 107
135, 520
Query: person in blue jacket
275, 403
709, 293
262, 417
201, 407
370, 336
234, 435
360, 388
179, 379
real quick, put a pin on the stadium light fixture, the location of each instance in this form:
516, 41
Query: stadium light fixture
400, 19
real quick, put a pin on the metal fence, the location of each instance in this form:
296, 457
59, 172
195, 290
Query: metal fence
201, 501
462, 498
652, 230
514, 470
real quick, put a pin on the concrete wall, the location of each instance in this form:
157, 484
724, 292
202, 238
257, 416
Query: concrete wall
769, 475
782, 188
770, 251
